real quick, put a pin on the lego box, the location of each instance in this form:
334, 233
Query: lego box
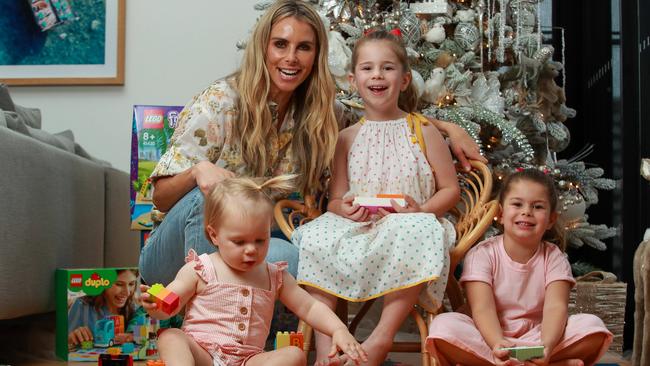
97, 313
152, 128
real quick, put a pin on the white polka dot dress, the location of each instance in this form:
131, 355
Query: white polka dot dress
359, 261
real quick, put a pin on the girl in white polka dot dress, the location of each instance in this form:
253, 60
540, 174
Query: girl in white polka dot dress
352, 254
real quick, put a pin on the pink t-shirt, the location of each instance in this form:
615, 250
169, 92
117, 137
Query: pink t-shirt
518, 288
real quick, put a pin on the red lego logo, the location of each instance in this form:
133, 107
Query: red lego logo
76, 280
153, 118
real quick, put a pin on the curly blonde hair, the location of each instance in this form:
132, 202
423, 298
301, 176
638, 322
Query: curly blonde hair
316, 129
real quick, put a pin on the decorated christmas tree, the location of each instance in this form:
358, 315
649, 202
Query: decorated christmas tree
488, 66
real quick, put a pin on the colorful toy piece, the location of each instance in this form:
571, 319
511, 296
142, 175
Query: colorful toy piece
285, 339
155, 363
526, 353
86, 344
373, 204
115, 360
167, 300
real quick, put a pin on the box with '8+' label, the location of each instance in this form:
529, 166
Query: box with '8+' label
153, 126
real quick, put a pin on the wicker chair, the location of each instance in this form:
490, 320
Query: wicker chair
474, 214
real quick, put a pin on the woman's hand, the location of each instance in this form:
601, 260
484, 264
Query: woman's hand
345, 207
411, 207
79, 335
207, 175
462, 146
344, 341
502, 357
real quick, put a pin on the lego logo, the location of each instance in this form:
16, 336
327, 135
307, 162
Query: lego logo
76, 280
153, 118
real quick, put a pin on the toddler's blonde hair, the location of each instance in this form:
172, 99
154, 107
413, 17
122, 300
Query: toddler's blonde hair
252, 191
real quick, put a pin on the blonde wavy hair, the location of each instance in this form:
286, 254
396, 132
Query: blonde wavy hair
241, 193
316, 129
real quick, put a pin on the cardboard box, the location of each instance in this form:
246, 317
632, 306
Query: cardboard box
102, 302
152, 128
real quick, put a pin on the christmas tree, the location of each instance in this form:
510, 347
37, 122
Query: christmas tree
487, 66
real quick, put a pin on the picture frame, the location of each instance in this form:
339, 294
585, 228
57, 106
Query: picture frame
86, 48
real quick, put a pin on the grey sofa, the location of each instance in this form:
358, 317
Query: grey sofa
59, 207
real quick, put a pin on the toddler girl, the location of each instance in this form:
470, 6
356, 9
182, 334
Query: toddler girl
230, 294
350, 254
517, 286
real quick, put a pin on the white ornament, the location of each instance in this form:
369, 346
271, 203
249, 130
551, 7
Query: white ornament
465, 15
574, 211
431, 7
436, 34
467, 36
486, 92
645, 168
434, 88
418, 83
339, 56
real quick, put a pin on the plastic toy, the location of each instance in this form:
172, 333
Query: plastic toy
155, 363
285, 339
104, 332
167, 300
115, 360
526, 353
114, 350
86, 344
128, 347
373, 204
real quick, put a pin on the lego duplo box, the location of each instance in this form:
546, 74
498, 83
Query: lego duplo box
152, 129
97, 313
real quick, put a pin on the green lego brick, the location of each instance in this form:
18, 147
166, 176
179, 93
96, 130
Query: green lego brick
526, 353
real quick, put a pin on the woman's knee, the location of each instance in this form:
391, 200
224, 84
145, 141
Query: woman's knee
282, 250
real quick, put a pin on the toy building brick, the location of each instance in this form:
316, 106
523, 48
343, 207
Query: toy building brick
167, 300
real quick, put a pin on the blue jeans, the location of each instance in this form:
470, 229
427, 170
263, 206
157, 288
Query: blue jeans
182, 230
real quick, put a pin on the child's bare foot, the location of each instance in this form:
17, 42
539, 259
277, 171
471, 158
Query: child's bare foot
376, 348
330, 361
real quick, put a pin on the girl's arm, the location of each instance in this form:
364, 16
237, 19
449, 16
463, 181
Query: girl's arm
339, 185
484, 311
320, 317
462, 144
184, 285
447, 190
556, 305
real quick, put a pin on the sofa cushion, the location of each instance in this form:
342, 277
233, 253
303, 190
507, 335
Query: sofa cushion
6, 104
63, 140
30, 116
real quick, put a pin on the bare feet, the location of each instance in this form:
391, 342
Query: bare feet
333, 361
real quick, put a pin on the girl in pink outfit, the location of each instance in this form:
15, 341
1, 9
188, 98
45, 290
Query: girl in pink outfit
517, 286
229, 295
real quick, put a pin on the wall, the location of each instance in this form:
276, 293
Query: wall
173, 50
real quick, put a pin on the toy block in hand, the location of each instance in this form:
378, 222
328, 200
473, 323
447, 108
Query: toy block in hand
526, 353
167, 300
285, 339
374, 203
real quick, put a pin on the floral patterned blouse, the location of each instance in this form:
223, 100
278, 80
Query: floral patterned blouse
204, 132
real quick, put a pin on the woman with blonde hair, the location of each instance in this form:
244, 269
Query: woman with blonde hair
273, 116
